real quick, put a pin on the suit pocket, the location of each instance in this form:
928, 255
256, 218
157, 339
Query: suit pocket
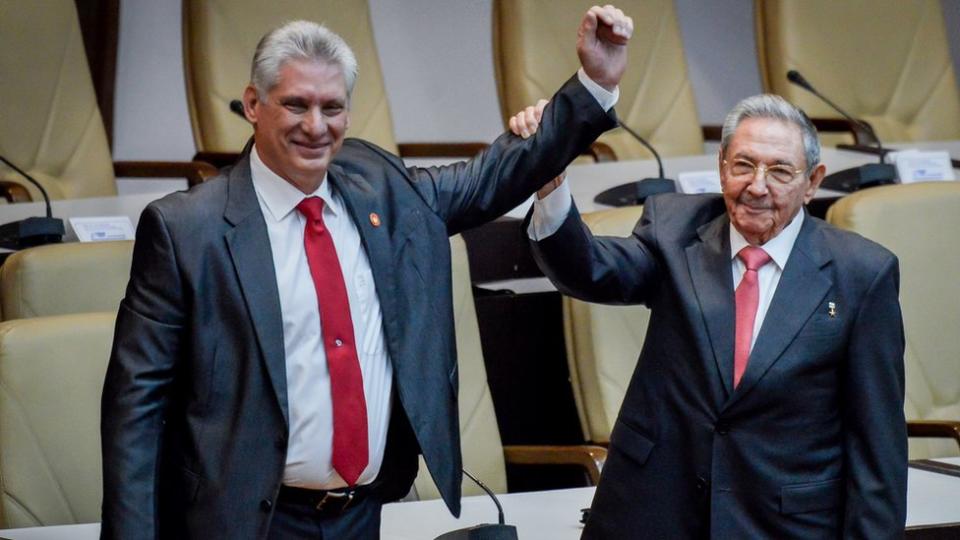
811, 496
630, 442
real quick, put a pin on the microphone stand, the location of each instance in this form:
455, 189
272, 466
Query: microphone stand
634, 193
864, 176
33, 231
486, 531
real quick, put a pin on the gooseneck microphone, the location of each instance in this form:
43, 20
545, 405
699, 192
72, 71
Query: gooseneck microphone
633, 193
236, 107
486, 531
868, 175
33, 231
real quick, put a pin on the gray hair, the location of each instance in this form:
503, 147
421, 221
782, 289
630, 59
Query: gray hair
773, 107
300, 40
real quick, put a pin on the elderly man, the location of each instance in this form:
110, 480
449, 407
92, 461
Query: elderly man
285, 348
768, 398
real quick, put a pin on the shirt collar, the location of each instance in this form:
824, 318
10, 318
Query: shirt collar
778, 247
279, 196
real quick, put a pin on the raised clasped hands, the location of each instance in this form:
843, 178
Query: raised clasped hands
602, 44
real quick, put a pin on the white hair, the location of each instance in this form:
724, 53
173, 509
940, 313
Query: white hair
300, 40
777, 108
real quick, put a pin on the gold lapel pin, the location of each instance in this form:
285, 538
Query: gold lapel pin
832, 309
374, 219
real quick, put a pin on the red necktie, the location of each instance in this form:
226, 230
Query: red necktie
350, 452
747, 298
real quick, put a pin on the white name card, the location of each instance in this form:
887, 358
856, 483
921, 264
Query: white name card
102, 229
699, 182
918, 166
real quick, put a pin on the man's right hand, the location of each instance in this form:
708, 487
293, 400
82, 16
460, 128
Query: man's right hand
524, 124
602, 44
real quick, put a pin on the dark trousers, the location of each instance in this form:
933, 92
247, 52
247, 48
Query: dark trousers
296, 521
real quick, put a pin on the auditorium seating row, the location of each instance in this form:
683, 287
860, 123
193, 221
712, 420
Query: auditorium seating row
886, 61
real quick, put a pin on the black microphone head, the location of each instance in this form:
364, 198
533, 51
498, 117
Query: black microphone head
236, 106
796, 78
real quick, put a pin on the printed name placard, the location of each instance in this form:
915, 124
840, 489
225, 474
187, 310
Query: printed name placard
699, 182
919, 166
102, 229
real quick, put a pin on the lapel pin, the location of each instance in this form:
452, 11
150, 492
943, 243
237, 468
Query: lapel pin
832, 309
374, 219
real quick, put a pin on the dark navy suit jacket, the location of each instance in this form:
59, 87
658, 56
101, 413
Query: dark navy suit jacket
194, 417
810, 444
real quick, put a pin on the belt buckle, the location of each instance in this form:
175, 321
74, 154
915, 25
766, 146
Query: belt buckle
332, 497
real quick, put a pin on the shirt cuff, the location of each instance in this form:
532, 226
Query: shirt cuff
604, 97
550, 212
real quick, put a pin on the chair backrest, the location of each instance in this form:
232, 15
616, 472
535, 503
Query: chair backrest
534, 55
59, 279
479, 433
51, 378
51, 126
219, 39
919, 223
885, 61
603, 342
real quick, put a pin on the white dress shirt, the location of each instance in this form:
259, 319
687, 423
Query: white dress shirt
550, 212
310, 446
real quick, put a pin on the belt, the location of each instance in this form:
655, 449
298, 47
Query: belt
326, 502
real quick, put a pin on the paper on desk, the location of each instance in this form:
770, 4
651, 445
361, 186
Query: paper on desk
699, 182
920, 166
102, 229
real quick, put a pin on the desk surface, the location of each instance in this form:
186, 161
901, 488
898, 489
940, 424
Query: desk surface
552, 515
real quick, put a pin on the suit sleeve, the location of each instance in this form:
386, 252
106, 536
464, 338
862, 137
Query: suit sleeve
138, 383
875, 439
600, 269
507, 172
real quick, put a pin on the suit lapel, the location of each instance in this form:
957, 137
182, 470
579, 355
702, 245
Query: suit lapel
803, 285
249, 247
709, 263
364, 205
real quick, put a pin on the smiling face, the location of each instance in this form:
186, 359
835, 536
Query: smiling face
760, 207
300, 125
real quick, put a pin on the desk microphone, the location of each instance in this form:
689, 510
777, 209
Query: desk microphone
868, 175
33, 231
485, 531
634, 193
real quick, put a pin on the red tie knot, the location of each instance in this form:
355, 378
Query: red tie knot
753, 257
311, 208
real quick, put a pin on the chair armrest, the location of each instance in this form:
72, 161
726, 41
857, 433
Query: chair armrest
601, 152
14, 192
217, 159
194, 171
591, 458
946, 429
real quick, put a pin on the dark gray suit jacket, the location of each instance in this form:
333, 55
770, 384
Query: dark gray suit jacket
194, 418
811, 443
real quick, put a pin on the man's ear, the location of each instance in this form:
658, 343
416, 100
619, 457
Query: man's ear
816, 178
250, 101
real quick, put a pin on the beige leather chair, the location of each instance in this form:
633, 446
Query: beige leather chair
533, 56
884, 61
51, 378
64, 278
603, 342
51, 125
219, 39
918, 222
484, 456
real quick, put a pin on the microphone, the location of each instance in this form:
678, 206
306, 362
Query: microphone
33, 231
485, 531
634, 193
236, 107
868, 175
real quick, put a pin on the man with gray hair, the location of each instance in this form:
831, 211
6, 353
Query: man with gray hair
285, 348
767, 401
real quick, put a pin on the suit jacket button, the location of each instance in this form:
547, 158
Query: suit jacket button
723, 428
701, 483
266, 505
